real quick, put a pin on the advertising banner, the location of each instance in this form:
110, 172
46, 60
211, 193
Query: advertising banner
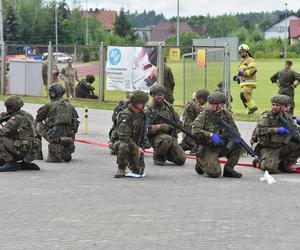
131, 68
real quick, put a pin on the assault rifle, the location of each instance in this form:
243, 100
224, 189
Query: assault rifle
162, 119
233, 136
293, 135
4, 118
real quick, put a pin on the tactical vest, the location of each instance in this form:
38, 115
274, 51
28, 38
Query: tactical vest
60, 113
26, 133
269, 140
135, 121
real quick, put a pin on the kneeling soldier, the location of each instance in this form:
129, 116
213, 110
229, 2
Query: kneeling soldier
278, 137
213, 141
131, 132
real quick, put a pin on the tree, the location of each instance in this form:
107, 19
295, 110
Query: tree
123, 26
11, 26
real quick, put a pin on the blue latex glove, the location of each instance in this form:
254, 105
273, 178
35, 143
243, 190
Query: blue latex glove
237, 141
216, 139
235, 78
282, 131
241, 73
298, 121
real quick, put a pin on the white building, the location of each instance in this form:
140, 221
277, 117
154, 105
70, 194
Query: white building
280, 29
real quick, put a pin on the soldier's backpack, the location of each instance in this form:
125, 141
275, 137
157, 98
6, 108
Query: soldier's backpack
121, 105
61, 112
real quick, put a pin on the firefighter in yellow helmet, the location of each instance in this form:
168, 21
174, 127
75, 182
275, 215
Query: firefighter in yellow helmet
246, 77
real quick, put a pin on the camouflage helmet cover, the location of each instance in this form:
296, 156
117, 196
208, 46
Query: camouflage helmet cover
202, 93
281, 99
138, 96
157, 88
14, 102
216, 97
56, 90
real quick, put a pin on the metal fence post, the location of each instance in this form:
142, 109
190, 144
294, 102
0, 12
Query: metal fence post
3, 67
101, 72
183, 82
50, 64
160, 64
227, 87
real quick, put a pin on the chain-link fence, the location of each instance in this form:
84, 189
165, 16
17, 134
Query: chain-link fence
189, 74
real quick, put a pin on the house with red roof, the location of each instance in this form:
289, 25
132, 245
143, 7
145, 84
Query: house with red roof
294, 31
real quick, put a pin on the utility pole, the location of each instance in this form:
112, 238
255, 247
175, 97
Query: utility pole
1, 22
86, 25
56, 30
286, 31
177, 29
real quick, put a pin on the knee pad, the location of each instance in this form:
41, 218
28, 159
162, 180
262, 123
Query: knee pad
243, 98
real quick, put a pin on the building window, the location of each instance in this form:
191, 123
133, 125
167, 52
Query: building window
280, 29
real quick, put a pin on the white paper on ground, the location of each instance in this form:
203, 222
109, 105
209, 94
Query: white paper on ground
268, 178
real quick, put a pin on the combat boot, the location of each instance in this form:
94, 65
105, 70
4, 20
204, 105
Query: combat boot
229, 172
199, 170
252, 110
29, 166
10, 166
284, 166
67, 154
39, 156
120, 173
159, 161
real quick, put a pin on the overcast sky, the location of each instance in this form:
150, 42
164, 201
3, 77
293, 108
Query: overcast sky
193, 7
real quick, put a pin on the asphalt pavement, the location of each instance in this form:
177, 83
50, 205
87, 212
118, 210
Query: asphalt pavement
79, 205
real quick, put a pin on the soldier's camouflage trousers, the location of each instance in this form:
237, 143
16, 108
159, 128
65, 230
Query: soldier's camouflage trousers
70, 91
166, 147
208, 159
271, 157
127, 156
8, 151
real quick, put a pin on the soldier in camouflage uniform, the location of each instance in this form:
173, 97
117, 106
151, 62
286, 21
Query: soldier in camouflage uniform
287, 80
84, 89
113, 137
55, 72
212, 140
168, 83
130, 130
191, 110
276, 155
162, 136
69, 75
17, 144
57, 122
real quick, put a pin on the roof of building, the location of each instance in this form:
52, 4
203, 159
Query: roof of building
282, 19
106, 17
294, 28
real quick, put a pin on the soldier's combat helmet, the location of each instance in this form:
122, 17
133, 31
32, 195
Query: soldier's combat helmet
157, 88
13, 103
138, 96
281, 99
56, 90
203, 94
216, 97
90, 78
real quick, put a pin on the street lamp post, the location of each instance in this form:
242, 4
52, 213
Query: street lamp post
177, 29
285, 31
56, 29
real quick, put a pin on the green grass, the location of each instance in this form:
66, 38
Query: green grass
195, 81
